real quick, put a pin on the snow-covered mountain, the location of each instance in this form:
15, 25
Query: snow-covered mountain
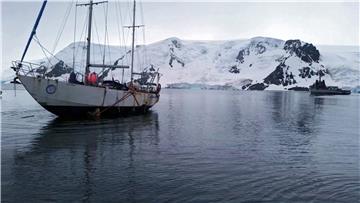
257, 63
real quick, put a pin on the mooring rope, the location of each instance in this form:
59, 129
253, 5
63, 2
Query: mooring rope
131, 91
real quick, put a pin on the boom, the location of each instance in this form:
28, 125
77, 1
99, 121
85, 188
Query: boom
33, 32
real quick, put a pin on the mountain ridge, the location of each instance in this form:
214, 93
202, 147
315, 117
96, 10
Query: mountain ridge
275, 63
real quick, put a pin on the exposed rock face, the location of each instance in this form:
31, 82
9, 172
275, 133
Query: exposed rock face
245, 86
59, 69
242, 53
257, 47
257, 86
289, 79
173, 58
277, 76
306, 72
280, 76
285, 73
306, 52
175, 44
234, 69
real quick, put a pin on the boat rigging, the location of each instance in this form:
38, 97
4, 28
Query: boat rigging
93, 95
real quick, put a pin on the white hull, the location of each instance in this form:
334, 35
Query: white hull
53, 94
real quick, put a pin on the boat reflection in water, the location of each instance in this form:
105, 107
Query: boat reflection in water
75, 157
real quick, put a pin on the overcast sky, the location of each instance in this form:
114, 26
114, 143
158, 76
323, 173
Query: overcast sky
331, 23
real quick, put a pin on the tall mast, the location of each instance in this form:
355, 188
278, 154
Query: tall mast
87, 68
133, 42
90, 4
88, 64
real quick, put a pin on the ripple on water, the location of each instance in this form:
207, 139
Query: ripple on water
255, 146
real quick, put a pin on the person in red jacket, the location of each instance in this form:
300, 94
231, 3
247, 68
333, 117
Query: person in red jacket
92, 79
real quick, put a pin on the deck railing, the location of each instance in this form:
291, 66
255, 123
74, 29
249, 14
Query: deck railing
28, 68
38, 70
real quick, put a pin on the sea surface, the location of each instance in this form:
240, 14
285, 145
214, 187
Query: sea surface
194, 146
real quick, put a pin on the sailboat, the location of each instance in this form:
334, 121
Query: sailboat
93, 96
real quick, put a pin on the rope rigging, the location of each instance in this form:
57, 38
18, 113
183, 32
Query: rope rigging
75, 22
106, 31
98, 39
119, 18
140, 61
146, 59
45, 50
106, 50
137, 50
83, 42
63, 24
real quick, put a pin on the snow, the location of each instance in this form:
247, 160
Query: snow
209, 62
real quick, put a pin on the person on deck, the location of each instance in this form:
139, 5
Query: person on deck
92, 79
72, 79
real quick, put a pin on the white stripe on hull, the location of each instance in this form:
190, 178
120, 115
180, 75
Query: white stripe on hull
69, 94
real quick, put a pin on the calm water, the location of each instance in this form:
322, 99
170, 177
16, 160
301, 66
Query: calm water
195, 146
